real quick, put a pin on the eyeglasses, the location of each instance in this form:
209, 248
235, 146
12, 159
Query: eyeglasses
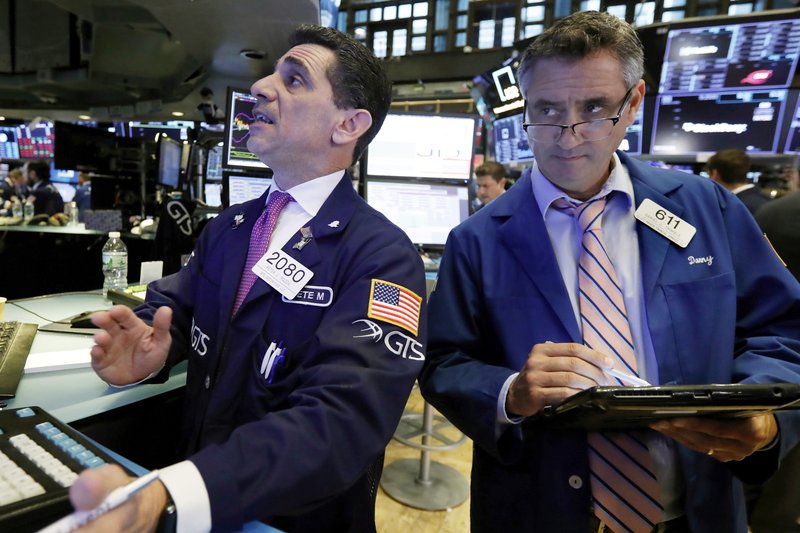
588, 130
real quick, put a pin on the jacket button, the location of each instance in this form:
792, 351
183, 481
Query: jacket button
575, 482
208, 382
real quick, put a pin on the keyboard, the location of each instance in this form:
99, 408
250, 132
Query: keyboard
40, 458
16, 339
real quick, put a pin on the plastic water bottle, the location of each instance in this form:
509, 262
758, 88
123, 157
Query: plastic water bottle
27, 210
115, 263
16, 209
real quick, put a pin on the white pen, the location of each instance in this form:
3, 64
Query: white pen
115, 498
627, 377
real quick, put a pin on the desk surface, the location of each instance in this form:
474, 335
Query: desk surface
77, 229
76, 394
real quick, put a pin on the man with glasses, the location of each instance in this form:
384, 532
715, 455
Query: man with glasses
596, 269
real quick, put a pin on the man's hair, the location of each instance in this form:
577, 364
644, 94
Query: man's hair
732, 165
41, 168
585, 33
491, 168
358, 78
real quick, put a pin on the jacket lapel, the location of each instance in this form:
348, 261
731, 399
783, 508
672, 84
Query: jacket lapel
524, 235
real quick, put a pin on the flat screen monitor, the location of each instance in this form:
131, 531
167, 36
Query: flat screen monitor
793, 139
214, 163
709, 122
239, 116
169, 162
9, 148
497, 91
632, 142
755, 54
177, 130
212, 194
426, 211
61, 175
84, 148
36, 142
422, 147
239, 188
510, 141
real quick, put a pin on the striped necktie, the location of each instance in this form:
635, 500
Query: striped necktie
259, 239
624, 486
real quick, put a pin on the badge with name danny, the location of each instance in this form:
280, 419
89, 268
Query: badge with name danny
283, 273
664, 222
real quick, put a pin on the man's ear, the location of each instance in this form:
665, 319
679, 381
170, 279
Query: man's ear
354, 124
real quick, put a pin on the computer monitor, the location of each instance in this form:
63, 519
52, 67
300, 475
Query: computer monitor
730, 54
426, 211
239, 188
212, 194
421, 146
510, 141
80, 147
36, 142
793, 138
177, 130
169, 162
61, 175
711, 121
632, 142
496, 91
9, 148
238, 117
214, 163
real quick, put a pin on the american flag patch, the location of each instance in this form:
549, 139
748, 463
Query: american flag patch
394, 304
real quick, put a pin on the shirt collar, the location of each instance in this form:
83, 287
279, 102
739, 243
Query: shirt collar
618, 180
742, 188
311, 194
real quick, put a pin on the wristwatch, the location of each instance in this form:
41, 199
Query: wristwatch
168, 522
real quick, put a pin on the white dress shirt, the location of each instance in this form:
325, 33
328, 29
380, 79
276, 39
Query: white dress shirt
183, 480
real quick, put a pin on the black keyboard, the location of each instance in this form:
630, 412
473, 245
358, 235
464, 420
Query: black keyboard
16, 339
40, 457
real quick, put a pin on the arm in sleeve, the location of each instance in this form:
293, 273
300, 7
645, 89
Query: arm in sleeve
458, 377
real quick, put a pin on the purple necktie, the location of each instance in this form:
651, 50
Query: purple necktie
624, 486
259, 239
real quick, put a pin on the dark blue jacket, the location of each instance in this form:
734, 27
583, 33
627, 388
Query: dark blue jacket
271, 450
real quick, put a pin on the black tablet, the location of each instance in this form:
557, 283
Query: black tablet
631, 407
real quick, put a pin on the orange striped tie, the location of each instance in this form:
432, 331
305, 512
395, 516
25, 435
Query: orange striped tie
624, 486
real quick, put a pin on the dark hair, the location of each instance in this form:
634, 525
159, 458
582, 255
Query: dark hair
358, 78
42, 169
491, 168
732, 165
585, 33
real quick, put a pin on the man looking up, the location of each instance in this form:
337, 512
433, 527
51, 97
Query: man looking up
557, 282
290, 399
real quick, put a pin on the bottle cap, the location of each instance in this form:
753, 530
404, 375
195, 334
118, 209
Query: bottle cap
113, 234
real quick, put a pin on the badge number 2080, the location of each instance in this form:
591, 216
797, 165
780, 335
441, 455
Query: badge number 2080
283, 273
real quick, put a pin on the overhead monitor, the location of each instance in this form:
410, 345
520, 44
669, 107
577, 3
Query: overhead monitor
709, 122
426, 211
169, 162
422, 147
496, 91
239, 188
37, 141
793, 139
177, 130
510, 141
238, 117
730, 54
9, 148
84, 148
60, 175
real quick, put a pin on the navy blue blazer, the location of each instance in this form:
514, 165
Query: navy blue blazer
734, 317
274, 448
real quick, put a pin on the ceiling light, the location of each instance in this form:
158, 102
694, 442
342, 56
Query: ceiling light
84, 117
255, 55
177, 113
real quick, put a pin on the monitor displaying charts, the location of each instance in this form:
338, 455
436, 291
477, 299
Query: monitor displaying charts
793, 138
239, 188
426, 211
239, 116
36, 141
9, 148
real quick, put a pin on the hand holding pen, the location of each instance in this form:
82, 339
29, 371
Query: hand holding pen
93, 484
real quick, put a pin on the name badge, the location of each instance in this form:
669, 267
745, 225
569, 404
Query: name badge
283, 273
667, 224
